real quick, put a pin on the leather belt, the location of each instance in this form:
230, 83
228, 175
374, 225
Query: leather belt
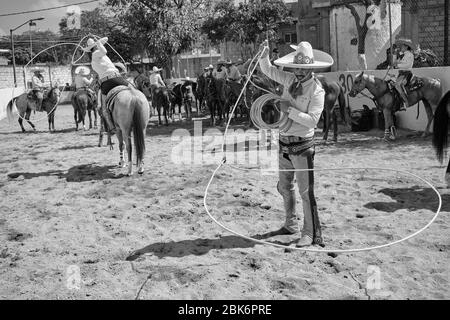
112, 76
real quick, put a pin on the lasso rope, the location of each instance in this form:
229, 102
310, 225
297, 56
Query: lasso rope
223, 161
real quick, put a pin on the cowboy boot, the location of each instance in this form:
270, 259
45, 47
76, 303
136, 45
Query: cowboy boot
108, 118
404, 105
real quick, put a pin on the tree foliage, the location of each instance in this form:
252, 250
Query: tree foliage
163, 28
249, 22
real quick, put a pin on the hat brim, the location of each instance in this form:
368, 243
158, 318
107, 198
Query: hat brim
321, 60
405, 42
82, 70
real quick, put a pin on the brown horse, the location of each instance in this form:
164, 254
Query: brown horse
83, 101
161, 99
25, 105
333, 92
440, 131
130, 112
386, 99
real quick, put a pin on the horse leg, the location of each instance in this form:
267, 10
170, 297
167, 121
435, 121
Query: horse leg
429, 111
326, 122
27, 117
53, 120
159, 115
120, 138
21, 121
75, 112
49, 118
95, 118
447, 174
129, 151
100, 136
335, 125
389, 128
90, 119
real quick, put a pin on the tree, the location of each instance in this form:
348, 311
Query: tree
247, 23
163, 28
362, 28
102, 22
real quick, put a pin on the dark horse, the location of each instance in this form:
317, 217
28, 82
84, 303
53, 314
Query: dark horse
25, 105
440, 131
161, 99
83, 101
333, 92
386, 98
200, 91
213, 99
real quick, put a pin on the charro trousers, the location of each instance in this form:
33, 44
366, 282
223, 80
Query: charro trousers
305, 183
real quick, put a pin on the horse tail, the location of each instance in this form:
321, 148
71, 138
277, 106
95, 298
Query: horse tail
9, 108
440, 127
138, 128
341, 99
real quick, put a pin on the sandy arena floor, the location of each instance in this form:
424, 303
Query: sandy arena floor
65, 206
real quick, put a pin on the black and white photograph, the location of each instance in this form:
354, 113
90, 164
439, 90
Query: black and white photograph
249, 151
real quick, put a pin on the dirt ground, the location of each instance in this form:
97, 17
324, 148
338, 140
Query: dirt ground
65, 206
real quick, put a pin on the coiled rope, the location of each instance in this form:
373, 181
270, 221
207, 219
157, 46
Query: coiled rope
223, 162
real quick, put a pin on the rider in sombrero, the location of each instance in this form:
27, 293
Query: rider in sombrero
109, 75
155, 79
405, 65
82, 82
306, 99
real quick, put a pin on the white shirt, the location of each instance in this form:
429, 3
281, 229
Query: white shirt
156, 80
36, 83
82, 81
306, 109
406, 63
101, 63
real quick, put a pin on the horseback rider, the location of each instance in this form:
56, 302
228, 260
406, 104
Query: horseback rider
37, 88
233, 77
109, 76
155, 79
220, 72
83, 83
405, 65
306, 99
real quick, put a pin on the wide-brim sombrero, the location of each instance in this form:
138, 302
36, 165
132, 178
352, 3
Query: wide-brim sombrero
404, 41
82, 70
321, 60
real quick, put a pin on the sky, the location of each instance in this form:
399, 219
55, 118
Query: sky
51, 17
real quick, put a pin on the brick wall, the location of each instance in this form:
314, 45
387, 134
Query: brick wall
430, 18
58, 74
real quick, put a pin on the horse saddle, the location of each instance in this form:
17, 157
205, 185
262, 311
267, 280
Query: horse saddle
112, 94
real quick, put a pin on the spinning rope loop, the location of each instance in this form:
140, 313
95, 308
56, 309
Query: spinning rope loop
222, 163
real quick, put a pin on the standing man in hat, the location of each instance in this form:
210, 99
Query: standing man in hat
405, 65
306, 98
37, 87
109, 76
233, 77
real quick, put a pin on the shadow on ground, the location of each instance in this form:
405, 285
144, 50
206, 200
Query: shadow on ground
412, 199
179, 249
81, 173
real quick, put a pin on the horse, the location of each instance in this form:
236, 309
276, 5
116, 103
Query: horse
213, 101
200, 91
176, 99
82, 101
188, 97
25, 105
161, 99
388, 101
130, 112
440, 131
333, 92
142, 83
